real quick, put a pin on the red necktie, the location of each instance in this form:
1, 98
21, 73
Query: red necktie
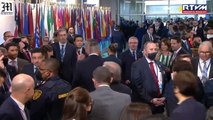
154, 76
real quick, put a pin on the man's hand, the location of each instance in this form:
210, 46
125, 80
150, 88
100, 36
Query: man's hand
9, 40
127, 82
1, 62
80, 56
158, 101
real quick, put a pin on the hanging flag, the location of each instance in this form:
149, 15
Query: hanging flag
30, 20
16, 32
88, 24
82, 25
37, 41
104, 27
50, 23
20, 15
42, 29
26, 26
46, 20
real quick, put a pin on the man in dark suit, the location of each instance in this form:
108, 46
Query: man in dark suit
127, 58
66, 54
71, 35
84, 68
118, 38
184, 89
22, 91
198, 30
116, 84
185, 44
176, 48
108, 103
148, 36
148, 80
24, 49
203, 64
78, 42
13, 60
8, 38
32, 68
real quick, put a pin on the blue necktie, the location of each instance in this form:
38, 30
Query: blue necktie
204, 73
62, 53
133, 55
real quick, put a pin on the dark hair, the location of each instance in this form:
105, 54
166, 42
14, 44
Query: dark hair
2, 73
209, 115
180, 57
52, 64
77, 36
156, 117
113, 48
74, 105
182, 65
61, 29
186, 82
135, 111
102, 75
6, 33
37, 50
177, 39
11, 44
175, 28
45, 49
166, 41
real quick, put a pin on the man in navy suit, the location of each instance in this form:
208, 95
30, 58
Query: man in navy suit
78, 42
127, 58
32, 68
66, 54
184, 89
176, 48
148, 80
22, 91
84, 68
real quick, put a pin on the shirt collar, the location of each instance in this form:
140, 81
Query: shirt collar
178, 50
9, 60
132, 50
148, 60
20, 105
207, 61
103, 85
93, 54
60, 44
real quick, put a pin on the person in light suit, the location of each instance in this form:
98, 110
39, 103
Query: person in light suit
108, 104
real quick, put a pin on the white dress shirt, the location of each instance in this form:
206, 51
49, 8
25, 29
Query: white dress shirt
199, 71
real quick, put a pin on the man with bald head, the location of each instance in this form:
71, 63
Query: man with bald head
203, 64
22, 91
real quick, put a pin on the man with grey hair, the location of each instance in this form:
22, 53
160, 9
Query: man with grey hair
203, 63
116, 84
22, 91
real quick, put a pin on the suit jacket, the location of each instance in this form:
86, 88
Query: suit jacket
9, 110
112, 106
189, 109
146, 39
67, 67
180, 52
144, 87
121, 88
21, 64
126, 63
11, 70
185, 47
29, 70
113, 58
119, 38
84, 70
195, 63
70, 38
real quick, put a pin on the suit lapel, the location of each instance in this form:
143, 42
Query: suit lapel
211, 69
18, 112
58, 52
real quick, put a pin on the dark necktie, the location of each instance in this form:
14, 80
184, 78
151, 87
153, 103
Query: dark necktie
151, 64
204, 73
62, 53
133, 55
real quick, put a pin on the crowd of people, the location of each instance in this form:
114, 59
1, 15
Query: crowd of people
164, 72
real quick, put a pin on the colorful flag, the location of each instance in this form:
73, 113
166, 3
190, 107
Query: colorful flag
17, 22
50, 23
26, 26
30, 20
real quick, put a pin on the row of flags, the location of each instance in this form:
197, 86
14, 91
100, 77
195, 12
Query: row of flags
40, 20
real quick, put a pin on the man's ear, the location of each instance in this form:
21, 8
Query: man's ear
111, 80
176, 90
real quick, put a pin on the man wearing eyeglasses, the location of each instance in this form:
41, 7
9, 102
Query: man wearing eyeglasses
8, 37
203, 64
